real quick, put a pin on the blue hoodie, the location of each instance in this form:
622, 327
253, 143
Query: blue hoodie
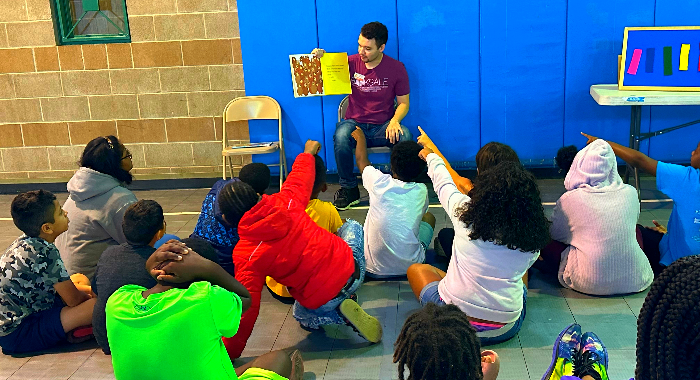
212, 227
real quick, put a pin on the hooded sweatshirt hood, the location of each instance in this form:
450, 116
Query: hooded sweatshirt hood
266, 221
88, 183
594, 168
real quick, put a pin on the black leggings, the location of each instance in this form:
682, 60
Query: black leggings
650, 246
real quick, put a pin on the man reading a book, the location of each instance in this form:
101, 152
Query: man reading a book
377, 80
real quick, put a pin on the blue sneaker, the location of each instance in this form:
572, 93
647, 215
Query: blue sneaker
566, 349
594, 358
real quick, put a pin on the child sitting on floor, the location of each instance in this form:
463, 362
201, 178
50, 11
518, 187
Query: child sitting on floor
595, 249
398, 228
124, 264
32, 277
680, 183
279, 239
212, 228
322, 213
488, 156
499, 229
193, 305
438, 342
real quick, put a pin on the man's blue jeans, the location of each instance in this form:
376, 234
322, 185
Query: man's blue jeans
344, 145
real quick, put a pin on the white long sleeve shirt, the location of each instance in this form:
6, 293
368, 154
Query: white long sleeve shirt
483, 279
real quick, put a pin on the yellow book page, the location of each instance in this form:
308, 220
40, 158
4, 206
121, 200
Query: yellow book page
336, 74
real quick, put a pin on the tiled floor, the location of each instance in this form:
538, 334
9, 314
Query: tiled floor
338, 353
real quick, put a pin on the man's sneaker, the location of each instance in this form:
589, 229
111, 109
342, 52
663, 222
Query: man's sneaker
566, 349
593, 360
346, 198
365, 325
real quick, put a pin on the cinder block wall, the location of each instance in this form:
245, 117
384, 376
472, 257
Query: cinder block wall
162, 94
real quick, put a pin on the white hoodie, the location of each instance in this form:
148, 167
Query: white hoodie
95, 208
597, 216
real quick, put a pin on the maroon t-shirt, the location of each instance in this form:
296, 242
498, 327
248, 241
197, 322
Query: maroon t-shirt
374, 90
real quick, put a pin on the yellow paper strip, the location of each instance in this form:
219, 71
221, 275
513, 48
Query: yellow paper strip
336, 74
685, 51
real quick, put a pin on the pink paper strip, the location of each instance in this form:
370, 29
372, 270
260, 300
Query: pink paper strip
634, 65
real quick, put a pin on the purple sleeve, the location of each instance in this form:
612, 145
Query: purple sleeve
402, 87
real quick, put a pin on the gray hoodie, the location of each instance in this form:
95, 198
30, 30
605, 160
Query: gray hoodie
95, 208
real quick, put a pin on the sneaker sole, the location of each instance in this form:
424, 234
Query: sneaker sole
555, 351
365, 324
353, 203
297, 366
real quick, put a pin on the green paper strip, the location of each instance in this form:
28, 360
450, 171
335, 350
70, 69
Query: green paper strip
668, 60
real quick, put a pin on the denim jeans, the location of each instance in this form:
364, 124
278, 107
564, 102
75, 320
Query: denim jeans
327, 314
344, 144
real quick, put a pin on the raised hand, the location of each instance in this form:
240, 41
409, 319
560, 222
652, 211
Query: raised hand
658, 227
312, 147
590, 138
359, 136
424, 153
424, 140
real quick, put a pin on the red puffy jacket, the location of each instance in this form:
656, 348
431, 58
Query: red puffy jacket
278, 239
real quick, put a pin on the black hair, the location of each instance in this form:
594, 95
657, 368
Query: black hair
668, 327
203, 247
405, 162
565, 157
235, 199
377, 31
494, 153
104, 154
438, 342
31, 210
505, 208
256, 175
142, 220
320, 178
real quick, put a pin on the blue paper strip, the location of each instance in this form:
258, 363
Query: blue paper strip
649, 67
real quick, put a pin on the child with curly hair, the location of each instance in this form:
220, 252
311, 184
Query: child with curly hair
500, 228
488, 156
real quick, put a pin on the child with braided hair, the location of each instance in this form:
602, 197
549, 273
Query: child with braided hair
438, 342
668, 327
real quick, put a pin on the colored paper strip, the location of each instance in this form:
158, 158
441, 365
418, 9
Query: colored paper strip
649, 67
668, 60
634, 64
685, 52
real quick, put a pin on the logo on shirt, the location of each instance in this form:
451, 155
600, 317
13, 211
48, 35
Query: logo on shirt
141, 308
365, 84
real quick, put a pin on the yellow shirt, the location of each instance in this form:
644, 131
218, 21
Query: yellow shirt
324, 214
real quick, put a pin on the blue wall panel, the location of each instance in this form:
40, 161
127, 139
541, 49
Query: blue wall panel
335, 36
267, 39
595, 29
522, 77
501, 70
675, 146
439, 45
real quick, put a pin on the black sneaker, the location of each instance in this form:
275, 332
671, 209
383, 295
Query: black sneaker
346, 198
